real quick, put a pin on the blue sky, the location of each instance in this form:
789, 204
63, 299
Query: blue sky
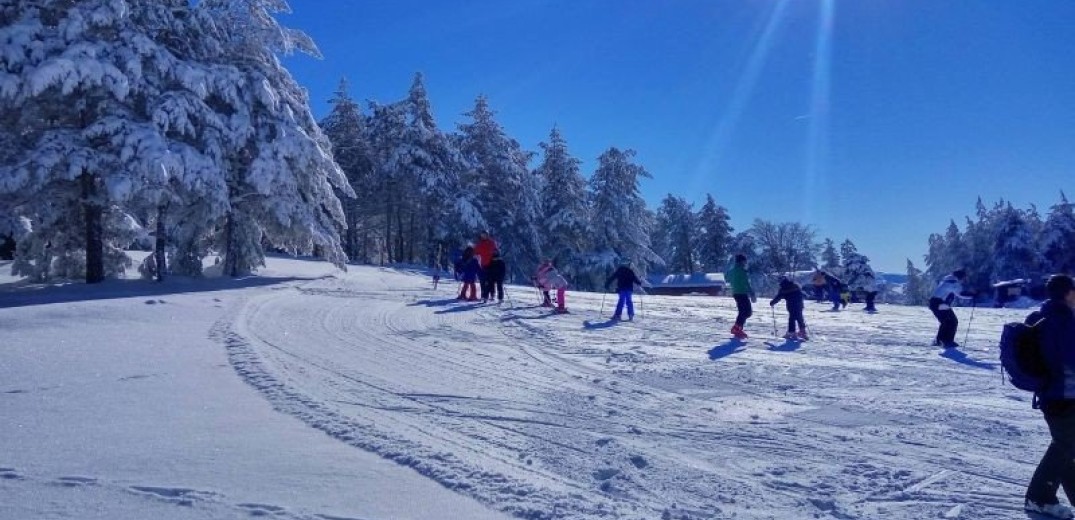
874, 120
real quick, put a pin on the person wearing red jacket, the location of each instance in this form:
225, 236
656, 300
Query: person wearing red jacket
484, 249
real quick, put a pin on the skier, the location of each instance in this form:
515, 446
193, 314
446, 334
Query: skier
469, 274
556, 281
495, 274
792, 294
540, 280
1057, 340
869, 286
834, 290
950, 288
483, 249
742, 293
626, 279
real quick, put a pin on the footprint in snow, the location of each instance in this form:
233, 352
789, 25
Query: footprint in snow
10, 474
261, 509
76, 481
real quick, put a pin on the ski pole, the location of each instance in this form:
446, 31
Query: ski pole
966, 333
641, 306
601, 312
773, 308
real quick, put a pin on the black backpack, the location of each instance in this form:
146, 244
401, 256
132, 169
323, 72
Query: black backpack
1021, 356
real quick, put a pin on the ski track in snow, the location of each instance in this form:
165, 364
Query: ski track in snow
543, 417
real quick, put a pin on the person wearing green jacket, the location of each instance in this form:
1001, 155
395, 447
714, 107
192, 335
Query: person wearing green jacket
742, 293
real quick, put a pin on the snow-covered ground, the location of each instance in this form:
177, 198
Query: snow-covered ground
316, 394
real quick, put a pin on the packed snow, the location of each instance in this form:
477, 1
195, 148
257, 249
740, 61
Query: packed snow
312, 393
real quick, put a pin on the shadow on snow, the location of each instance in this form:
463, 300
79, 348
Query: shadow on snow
787, 346
961, 357
25, 294
726, 349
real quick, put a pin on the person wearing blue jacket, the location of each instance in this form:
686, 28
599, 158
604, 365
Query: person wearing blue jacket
1056, 333
626, 279
791, 293
469, 275
835, 288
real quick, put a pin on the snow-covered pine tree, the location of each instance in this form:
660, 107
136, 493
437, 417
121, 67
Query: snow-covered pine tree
946, 252
1057, 238
565, 216
856, 266
676, 234
621, 222
345, 127
445, 211
104, 94
507, 193
715, 235
280, 172
847, 250
830, 259
1015, 250
918, 288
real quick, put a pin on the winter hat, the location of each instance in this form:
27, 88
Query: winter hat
960, 273
1058, 286
740, 258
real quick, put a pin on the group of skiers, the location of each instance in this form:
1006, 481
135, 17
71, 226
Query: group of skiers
839, 292
1055, 323
481, 264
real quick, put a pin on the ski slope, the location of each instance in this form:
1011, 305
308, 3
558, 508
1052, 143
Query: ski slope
516, 412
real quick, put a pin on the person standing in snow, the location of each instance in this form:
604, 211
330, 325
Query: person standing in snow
792, 294
626, 279
835, 285
742, 292
556, 281
541, 281
495, 273
1057, 336
469, 275
869, 286
950, 288
483, 249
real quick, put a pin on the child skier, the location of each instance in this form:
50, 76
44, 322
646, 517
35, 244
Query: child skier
541, 281
792, 294
742, 292
556, 281
469, 275
625, 279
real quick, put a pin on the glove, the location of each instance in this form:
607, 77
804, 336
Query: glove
772, 303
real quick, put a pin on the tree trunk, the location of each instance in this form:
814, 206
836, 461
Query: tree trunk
231, 265
95, 247
160, 242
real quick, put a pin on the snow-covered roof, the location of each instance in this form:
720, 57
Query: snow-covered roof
693, 280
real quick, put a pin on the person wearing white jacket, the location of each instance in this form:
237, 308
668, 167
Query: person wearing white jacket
950, 288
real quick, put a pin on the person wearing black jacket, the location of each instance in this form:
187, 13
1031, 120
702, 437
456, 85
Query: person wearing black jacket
793, 295
626, 279
494, 274
1057, 339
